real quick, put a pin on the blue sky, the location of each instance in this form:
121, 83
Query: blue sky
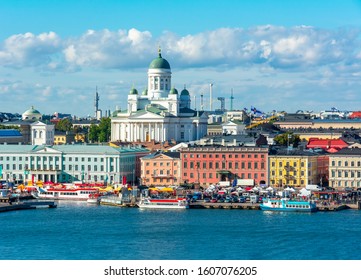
274, 55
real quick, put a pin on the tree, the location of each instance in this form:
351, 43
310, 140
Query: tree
101, 132
104, 130
64, 125
93, 133
287, 138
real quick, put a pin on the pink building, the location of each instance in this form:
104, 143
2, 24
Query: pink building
161, 169
206, 165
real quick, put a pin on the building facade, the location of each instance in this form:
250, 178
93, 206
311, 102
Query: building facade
68, 163
206, 165
161, 169
159, 113
345, 169
296, 168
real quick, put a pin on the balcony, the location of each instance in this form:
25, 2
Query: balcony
162, 176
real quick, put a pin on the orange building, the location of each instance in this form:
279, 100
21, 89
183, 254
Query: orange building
161, 169
206, 165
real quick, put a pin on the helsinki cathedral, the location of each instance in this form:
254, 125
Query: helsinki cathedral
159, 113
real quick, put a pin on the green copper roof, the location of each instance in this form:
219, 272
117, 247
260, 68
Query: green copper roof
32, 111
173, 91
133, 91
159, 63
145, 92
184, 92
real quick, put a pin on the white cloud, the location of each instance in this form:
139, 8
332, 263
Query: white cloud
269, 64
23, 50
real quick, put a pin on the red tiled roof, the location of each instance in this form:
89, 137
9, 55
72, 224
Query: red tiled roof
326, 143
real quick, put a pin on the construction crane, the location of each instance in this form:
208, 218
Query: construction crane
223, 109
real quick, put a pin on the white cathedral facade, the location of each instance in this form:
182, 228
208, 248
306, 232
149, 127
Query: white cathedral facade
159, 113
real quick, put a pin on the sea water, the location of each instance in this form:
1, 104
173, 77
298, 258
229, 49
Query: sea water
79, 231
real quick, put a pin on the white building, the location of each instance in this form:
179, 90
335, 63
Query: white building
159, 113
234, 127
41, 133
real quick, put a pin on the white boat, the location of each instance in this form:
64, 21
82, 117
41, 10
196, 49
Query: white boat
93, 199
288, 205
67, 194
160, 203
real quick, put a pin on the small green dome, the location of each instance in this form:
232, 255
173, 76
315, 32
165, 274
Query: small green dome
184, 92
159, 63
173, 91
145, 92
133, 91
32, 111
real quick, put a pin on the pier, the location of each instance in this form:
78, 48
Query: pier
224, 205
5, 206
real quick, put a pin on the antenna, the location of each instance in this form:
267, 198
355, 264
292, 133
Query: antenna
232, 99
210, 96
202, 108
96, 101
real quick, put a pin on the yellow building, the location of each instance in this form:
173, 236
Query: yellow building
61, 138
294, 168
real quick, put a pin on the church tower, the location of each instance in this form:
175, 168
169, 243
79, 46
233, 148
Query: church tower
159, 78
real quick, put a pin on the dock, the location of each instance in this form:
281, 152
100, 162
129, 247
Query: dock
224, 205
26, 205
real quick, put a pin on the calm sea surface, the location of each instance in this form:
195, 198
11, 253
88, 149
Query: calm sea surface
78, 231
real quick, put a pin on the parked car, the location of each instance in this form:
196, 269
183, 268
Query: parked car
242, 199
207, 200
213, 200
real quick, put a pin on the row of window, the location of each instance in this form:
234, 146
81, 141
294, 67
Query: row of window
161, 172
288, 182
346, 163
346, 174
224, 165
50, 158
51, 167
223, 156
161, 163
210, 175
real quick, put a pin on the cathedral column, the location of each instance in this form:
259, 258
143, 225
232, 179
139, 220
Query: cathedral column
142, 138
164, 126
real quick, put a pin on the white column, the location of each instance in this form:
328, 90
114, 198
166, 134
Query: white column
164, 126
142, 138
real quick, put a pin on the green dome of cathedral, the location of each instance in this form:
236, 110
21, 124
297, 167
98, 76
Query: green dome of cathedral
133, 91
173, 91
159, 63
184, 92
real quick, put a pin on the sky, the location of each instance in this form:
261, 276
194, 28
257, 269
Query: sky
270, 54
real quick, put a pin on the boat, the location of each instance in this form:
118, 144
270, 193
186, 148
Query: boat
161, 203
288, 205
67, 194
93, 198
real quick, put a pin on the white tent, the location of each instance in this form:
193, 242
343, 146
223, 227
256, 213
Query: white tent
289, 189
269, 189
304, 192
